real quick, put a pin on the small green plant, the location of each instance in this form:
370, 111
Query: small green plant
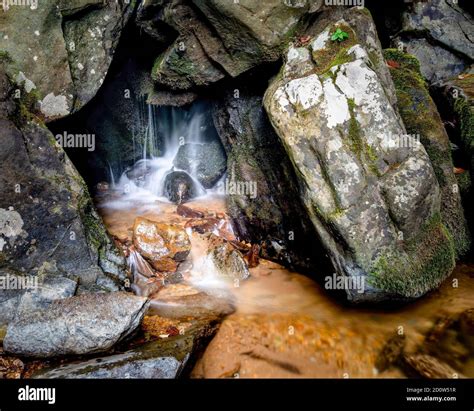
339, 35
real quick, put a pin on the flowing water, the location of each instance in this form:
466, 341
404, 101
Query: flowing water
284, 324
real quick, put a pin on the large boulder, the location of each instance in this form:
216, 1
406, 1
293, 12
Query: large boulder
252, 32
422, 120
73, 40
439, 34
185, 64
46, 214
78, 325
206, 162
273, 215
216, 39
159, 358
456, 98
374, 202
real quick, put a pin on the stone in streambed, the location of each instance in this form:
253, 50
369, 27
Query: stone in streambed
164, 245
229, 262
207, 162
179, 301
78, 325
164, 358
180, 187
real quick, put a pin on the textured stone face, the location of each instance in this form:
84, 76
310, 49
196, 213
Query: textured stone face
77, 48
207, 162
156, 241
275, 215
368, 197
78, 325
421, 118
440, 34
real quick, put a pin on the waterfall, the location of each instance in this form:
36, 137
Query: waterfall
164, 130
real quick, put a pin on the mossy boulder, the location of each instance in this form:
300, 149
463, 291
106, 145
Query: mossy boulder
371, 199
421, 118
47, 213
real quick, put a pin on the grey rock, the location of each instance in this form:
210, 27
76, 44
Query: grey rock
439, 34
229, 262
437, 63
206, 162
181, 301
91, 42
77, 325
91, 29
338, 127
179, 187
50, 219
445, 22
50, 289
251, 33
253, 149
164, 358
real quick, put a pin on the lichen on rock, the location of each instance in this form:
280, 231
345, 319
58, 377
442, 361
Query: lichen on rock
367, 197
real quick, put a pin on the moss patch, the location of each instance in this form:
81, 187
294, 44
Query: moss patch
425, 261
420, 115
335, 53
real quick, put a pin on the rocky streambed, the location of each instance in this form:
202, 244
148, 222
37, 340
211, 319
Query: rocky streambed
278, 189
230, 314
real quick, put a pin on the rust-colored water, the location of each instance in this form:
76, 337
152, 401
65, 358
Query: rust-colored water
286, 325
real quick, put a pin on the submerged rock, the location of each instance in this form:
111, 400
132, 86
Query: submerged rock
374, 202
179, 187
78, 325
207, 162
164, 245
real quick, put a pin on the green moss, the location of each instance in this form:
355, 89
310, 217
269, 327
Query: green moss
464, 113
26, 108
5, 57
335, 53
464, 183
424, 262
406, 61
421, 117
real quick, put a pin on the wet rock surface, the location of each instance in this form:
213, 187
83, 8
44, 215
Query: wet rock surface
207, 162
74, 34
179, 187
77, 325
160, 242
50, 223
